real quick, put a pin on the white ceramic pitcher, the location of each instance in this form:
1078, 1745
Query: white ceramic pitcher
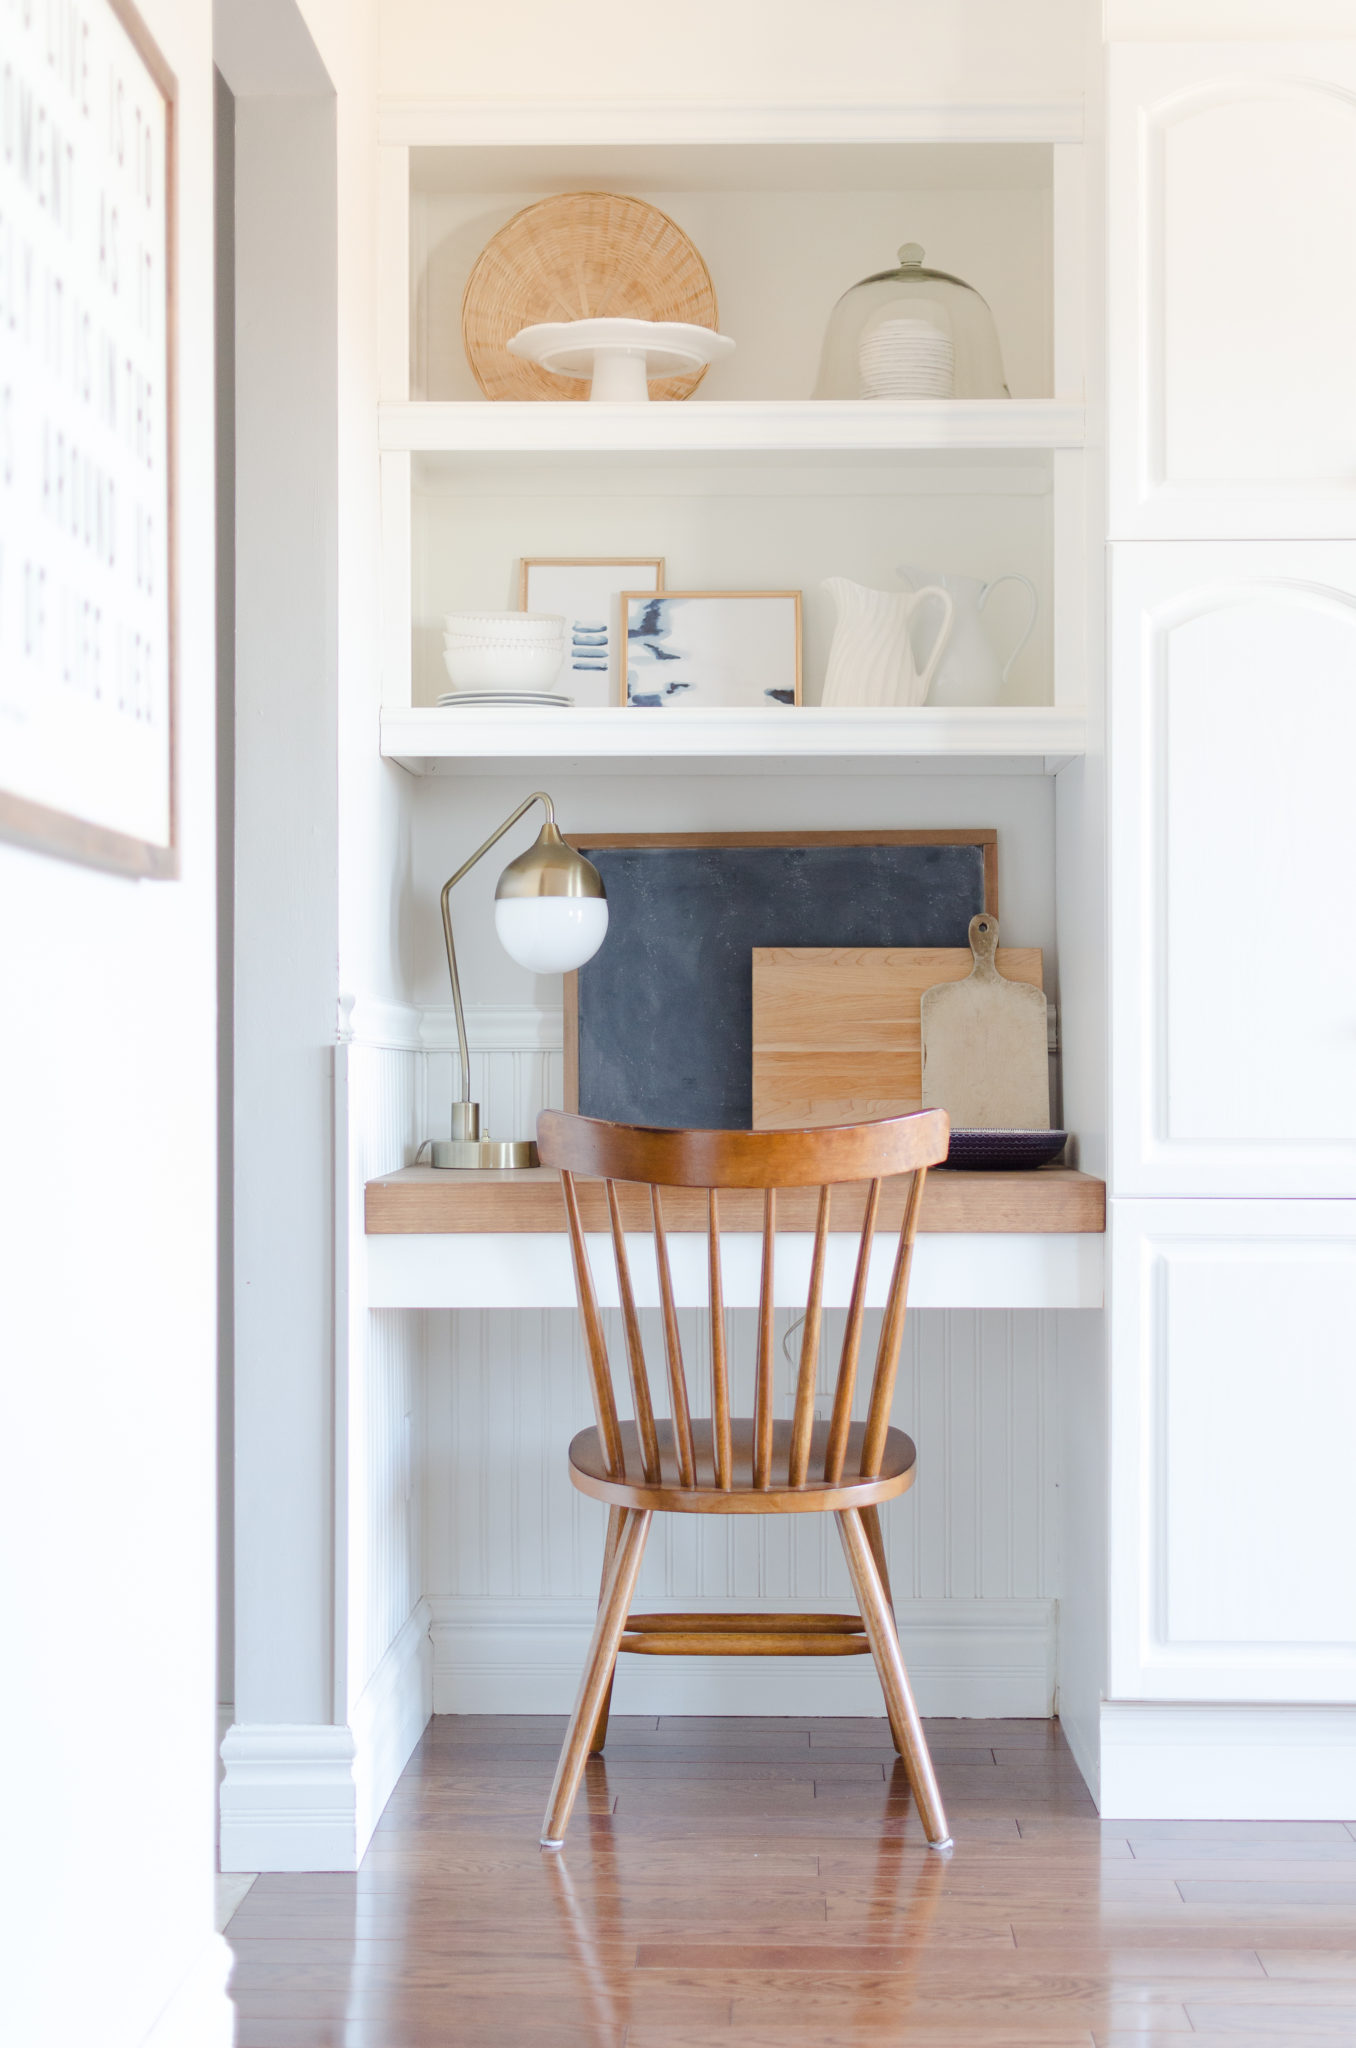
972, 672
871, 660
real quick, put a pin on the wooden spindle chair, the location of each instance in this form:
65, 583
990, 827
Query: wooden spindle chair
725, 1465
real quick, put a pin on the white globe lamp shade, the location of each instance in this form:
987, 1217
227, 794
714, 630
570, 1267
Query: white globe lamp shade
551, 934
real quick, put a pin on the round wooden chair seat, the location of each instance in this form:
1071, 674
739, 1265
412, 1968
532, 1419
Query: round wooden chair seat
588, 1471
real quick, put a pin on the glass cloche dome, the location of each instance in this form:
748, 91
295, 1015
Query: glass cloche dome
911, 333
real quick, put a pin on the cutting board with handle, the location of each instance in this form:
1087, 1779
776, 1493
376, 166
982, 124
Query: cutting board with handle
985, 1058
836, 1029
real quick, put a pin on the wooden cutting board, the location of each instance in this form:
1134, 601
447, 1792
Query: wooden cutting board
837, 1029
985, 1057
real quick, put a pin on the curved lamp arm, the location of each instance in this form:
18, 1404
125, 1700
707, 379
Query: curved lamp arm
538, 796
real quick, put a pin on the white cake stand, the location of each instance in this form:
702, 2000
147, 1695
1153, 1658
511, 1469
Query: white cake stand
620, 356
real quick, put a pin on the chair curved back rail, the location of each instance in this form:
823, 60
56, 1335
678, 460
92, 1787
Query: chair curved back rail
715, 1161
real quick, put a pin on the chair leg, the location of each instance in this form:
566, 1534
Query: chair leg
614, 1516
899, 1701
874, 1536
616, 1605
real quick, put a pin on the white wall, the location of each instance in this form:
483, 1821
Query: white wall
860, 51
330, 1682
108, 1335
286, 902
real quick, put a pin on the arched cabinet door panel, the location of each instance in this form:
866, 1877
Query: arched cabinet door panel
1233, 868
1232, 281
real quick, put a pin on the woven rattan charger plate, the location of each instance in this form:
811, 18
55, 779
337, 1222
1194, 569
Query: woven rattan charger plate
579, 256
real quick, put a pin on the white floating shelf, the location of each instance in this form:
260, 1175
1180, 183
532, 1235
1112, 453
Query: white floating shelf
1034, 739
733, 426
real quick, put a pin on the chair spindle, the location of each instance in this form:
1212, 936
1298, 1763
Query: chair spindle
841, 1421
600, 1373
891, 1334
802, 1427
722, 1448
635, 1344
673, 1350
763, 1387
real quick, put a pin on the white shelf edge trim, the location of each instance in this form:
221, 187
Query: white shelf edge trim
467, 123
493, 1269
743, 425
813, 732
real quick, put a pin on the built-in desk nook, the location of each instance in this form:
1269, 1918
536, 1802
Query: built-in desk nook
497, 1240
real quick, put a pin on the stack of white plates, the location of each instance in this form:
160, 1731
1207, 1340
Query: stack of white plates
517, 652
533, 698
906, 359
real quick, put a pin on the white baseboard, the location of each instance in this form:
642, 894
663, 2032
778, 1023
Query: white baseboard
200, 2014
970, 1658
287, 1800
389, 1719
307, 1797
1188, 1762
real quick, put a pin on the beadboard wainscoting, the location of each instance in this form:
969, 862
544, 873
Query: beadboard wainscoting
513, 1552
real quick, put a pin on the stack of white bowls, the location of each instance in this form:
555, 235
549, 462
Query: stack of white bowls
906, 359
504, 657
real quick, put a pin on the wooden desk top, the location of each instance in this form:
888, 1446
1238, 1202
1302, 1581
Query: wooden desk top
419, 1200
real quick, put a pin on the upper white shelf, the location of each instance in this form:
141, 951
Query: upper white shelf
1035, 739
736, 426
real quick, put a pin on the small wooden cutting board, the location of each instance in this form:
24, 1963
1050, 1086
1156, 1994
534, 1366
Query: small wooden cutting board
837, 1029
985, 1057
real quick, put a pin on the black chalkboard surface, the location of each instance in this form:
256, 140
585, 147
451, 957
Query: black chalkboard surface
659, 1024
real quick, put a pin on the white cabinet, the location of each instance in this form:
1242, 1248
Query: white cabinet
1233, 1414
1232, 289
1233, 845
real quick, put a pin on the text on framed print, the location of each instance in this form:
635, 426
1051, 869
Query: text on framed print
87, 670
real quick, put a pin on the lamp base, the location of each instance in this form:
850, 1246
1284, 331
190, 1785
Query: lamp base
476, 1155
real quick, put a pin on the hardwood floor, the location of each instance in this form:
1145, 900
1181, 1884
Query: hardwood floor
764, 1884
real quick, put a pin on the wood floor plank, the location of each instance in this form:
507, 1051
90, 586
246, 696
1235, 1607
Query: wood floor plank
1333, 2020
1315, 1963
842, 2033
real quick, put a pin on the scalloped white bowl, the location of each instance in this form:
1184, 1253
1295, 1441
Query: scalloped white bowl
504, 626
525, 667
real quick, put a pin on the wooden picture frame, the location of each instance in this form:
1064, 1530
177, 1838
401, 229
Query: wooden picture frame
602, 689
984, 837
756, 699
89, 660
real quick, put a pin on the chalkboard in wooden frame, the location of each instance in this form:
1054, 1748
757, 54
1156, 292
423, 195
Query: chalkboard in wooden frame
659, 1024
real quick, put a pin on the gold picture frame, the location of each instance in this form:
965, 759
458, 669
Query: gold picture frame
760, 694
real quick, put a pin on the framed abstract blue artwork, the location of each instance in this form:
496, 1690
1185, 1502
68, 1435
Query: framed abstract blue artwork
706, 650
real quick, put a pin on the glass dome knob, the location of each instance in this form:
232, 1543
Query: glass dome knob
911, 255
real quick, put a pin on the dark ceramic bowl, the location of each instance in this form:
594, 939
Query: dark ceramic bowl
1004, 1151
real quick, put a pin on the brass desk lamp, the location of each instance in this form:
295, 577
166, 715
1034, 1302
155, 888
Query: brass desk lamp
550, 911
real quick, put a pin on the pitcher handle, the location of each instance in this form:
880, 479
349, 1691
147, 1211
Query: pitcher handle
939, 645
1013, 576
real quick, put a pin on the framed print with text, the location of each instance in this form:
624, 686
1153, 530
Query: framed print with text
87, 613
